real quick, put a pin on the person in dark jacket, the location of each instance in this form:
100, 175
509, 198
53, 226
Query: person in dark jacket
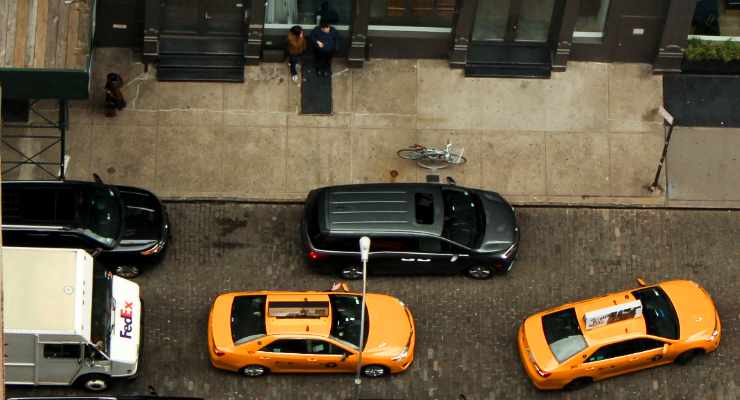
326, 14
325, 41
115, 97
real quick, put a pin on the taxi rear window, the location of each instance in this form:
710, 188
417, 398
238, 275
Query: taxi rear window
248, 318
563, 334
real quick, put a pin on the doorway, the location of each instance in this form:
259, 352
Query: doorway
204, 17
513, 21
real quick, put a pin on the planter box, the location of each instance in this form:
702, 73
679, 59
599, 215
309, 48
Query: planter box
711, 67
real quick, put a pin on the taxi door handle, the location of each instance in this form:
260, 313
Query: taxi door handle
264, 358
589, 369
408, 259
634, 359
312, 360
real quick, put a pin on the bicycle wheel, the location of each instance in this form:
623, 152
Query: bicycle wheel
409, 154
433, 163
457, 159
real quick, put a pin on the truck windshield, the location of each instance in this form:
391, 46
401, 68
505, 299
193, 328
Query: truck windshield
102, 308
104, 222
345, 320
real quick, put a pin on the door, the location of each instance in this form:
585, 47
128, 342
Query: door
627, 356
284, 355
58, 362
637, 39
204, 17
513, 21
326, 356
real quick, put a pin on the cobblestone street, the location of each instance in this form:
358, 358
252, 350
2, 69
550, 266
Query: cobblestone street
466, 340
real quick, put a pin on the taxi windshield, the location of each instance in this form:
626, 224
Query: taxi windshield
660, 316
345, 324
563, 334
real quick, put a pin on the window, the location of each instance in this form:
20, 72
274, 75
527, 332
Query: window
48, 205
424, 208
591, 20
396, 244
294, 346
306, 12
625, 348
563, 334
298, 309
345, 324
658, 312
436, 246
412, 13
322, 347
62, 351
248, 318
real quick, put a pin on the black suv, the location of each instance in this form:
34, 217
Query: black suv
126, 227
415, 228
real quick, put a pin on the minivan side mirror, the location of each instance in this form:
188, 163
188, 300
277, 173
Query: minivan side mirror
97, 178
451, 181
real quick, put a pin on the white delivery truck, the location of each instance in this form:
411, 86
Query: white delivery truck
68, 321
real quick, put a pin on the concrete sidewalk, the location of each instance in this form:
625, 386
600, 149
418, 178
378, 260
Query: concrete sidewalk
591, 135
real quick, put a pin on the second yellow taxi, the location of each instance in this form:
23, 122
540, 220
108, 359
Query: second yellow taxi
573, 345
259, 332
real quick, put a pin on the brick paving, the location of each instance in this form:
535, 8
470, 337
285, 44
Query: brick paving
466, 328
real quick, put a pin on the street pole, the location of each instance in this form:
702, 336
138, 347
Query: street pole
364, 255
669, 119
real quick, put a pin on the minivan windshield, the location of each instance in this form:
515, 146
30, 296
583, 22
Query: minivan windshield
462, 219
345, 324
104, 222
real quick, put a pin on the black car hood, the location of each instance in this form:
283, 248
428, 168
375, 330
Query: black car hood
501, 227
143, 219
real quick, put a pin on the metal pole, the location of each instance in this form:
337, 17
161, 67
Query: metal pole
655, 185
364, 254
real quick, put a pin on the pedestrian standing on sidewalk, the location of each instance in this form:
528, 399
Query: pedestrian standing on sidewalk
115, 97
296, 47
325, 41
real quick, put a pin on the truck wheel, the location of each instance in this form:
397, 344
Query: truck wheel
127, 271
94, 382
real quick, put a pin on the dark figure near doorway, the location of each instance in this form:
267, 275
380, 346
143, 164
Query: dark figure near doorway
325, 41
327, 14
115, 98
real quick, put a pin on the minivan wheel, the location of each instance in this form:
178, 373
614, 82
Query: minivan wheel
375, 371
94, 382
350, 273
254, 371
479, 272
127, 271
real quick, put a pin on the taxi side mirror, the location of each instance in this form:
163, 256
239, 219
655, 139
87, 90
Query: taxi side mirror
345, 355
641, 282
665, 348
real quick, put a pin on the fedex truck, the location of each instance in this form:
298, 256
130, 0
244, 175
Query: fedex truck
68, 321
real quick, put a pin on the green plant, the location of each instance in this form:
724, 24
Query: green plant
697, 49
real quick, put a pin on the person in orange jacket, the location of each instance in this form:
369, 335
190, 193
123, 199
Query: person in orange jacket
296, 47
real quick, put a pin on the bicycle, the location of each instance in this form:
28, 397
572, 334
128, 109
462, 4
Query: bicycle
431, 158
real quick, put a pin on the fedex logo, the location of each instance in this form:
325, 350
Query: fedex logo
127, 316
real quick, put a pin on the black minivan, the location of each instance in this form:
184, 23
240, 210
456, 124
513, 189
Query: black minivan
415, 228
125, 227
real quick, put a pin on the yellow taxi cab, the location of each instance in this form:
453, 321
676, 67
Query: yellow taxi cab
259, 332
573, 345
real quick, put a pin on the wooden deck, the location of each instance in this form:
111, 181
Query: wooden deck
51, 34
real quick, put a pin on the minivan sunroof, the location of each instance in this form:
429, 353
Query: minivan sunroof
51, 204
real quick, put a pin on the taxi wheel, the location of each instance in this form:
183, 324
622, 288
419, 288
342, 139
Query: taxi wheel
375, 371
479, 272
254, 371
687, 356
578, 384
350, 273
